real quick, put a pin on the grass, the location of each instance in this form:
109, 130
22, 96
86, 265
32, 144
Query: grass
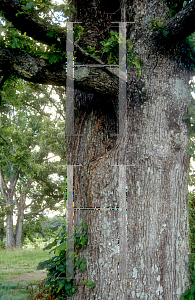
18, 272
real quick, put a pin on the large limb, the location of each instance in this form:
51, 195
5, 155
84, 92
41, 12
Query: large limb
24, 21
178, 27
36, 69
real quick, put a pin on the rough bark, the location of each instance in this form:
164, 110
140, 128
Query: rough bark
178, 27
155, 148
10, 243
155, 144
35, 69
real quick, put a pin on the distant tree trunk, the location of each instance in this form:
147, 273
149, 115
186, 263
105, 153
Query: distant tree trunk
2, 229
8, 194
20, 220
20, 215
10, 242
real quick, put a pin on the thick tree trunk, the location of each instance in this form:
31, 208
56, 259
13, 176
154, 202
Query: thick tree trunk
155, 146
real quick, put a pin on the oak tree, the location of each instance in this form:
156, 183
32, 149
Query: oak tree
153, 145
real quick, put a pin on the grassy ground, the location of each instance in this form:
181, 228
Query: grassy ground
18, 272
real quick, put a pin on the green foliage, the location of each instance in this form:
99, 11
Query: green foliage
110, 47
56, 266
45, 11
78, 31
12, 38
175, 6
2, 245
189, 294
159, 24
36, 226
31, 131
192, 219
89, 283
189, 52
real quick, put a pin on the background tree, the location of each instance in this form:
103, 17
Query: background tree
29, 137
154, 143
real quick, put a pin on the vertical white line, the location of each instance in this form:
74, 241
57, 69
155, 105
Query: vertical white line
69, 224
70, 80
122, 78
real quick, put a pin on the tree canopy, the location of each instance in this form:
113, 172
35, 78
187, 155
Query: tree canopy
33, 42
31, 140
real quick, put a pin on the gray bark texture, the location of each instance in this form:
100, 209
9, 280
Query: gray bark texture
154, 148
155, 144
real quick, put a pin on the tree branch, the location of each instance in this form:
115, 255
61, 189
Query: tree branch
35, 69
3, 185
33, 201
36, 212
178, 28
27, 185
33, 26
15, 182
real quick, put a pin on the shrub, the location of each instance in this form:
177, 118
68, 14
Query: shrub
58, 281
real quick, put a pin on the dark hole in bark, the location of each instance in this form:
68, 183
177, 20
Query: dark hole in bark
103, 109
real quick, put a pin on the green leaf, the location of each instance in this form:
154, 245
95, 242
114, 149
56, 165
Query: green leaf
83, 266
186, 116
61, 247
85, 281
83, 240
50, 34
60, 287
49, 246
30, 5
77, 262
64, 188
68, 286
192, 289
165, 32
74, 289
42, 265
90, 284
186, 293
193, 276
190, 152
84, 226
54, 58
15, 43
